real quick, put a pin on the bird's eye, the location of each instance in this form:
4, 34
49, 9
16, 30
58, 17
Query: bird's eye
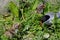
45, 18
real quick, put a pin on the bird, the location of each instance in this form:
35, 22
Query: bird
12, 31
48, 17
40, 8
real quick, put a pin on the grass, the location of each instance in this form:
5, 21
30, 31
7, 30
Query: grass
29, 20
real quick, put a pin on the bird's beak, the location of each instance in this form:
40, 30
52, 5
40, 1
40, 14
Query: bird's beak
41, 23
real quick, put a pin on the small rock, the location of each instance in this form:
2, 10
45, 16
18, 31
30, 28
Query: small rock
46, 35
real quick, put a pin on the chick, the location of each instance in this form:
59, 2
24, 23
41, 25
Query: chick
12, 31
40, 8
48, 17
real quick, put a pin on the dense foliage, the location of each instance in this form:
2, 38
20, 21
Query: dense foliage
30, 29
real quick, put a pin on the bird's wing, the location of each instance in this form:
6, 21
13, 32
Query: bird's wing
48, 22
58, 14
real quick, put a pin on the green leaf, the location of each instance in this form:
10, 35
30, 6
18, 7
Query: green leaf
14, 9
4, 37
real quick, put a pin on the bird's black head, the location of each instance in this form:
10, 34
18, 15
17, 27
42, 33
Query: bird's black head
45, 18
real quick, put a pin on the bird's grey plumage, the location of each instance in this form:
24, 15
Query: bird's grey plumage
58, 14
51, 14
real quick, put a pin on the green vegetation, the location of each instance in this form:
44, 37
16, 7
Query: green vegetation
29, 20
